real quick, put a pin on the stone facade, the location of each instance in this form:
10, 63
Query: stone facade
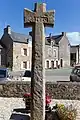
19, 57
64, 51
12, 55
61, 47
51, 56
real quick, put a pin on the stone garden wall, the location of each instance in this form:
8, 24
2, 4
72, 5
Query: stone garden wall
60, 90
11, 96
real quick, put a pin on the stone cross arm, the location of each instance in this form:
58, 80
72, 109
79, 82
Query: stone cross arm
30, 17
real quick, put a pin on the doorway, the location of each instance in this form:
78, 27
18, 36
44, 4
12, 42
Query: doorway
72, 59
61, 62
52, 64
56, 64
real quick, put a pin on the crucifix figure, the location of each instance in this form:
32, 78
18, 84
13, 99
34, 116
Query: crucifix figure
38, 19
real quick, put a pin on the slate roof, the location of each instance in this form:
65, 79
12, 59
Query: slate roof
17, 37
74, 46
22, 38
47, 41
57, 38
2, 45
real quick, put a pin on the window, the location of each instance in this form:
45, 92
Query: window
25, 51
54, 53
49, 52
76, 71
61, 62
52, 64
24, 64
27, 40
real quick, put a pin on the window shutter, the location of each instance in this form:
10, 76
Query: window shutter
45, 64
28, 66
21, 64
27, 51
22, 52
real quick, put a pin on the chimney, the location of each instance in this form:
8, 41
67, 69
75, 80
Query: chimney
30, 33
7, 29
63, 33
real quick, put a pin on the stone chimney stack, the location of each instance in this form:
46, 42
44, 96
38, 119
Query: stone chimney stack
63, 33
7, 29
30, 33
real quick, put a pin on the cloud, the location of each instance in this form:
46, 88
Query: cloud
74, 38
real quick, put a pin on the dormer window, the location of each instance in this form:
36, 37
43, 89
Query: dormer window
52, 43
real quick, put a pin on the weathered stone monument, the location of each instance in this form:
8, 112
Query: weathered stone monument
38, 19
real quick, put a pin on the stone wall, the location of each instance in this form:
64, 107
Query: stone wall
11, 96
60, 90
64, 51
14, 89
64, 90
19, 57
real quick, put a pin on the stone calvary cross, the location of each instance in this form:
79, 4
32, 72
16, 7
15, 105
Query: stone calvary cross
38, 19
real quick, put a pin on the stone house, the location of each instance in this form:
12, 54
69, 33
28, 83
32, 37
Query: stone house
61, 50
17, 53
18, 50
51, 53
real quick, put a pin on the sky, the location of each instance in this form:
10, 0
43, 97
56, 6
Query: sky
67, 16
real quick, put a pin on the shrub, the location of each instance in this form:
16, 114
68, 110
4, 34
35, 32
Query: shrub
66, 113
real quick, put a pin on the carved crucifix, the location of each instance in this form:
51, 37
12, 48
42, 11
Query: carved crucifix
38, 19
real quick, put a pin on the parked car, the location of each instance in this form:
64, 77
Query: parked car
4, 74
75, 74
26, 75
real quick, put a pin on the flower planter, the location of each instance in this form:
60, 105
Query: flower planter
27, 100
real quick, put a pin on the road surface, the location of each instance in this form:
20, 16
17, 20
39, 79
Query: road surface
53, 75
58, 74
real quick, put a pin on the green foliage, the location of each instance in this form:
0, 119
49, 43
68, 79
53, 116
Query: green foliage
66, 113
